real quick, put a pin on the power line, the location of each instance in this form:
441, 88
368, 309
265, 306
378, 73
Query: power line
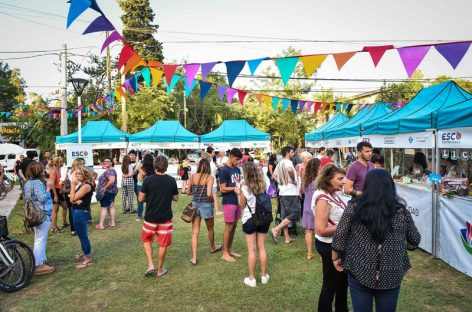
38, 23
28, 57
41, 51
39, 11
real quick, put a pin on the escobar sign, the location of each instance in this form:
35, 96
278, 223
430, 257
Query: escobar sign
80, 151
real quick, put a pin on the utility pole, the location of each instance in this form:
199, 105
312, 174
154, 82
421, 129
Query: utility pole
64, 90
185, 111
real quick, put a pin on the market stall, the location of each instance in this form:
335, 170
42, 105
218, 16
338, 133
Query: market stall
236, 133
315, 138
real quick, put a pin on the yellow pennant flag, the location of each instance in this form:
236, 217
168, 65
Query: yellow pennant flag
311, 63
156, 76
267, 100
118, 95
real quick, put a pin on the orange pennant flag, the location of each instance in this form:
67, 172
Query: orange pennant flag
133, 62
342, 58
323, 107
258, 97
155, 63
156, 76
311, 63
267, 99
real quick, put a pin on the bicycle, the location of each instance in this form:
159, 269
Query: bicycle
9, 181
3, 191
16, 261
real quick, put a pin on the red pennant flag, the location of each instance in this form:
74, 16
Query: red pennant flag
377, 52
342, 58
241, 96
317, 107
169, 71
126, 53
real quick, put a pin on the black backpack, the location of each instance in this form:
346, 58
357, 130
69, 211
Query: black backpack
263, 212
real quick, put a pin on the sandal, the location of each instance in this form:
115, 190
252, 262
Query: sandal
112, 226
79, 257
274, 237
290, 241
56, 230
83, 265
216, 249
150, 273
163, 272
193, 262
99, 227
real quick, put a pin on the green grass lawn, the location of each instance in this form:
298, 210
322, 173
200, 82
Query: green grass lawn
115, 281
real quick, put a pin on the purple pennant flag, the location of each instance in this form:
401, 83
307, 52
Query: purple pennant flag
231, 93
309, 104
113, 37
99, 24
453, 52
206, 69
301, 105
233, 69
412, 57
127, 85
221, 92
190, 71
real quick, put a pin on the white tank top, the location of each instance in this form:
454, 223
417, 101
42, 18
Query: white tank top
335, 212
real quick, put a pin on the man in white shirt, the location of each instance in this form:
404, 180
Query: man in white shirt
289, 190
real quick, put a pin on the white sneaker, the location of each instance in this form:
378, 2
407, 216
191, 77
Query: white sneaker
265, 278
250, 282
138, 219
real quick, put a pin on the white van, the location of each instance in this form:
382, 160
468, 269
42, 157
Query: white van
9, 153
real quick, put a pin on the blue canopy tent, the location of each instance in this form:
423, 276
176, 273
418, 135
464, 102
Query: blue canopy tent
312, 139
351, 127
236, 133
426, 101
164, 134
100, 134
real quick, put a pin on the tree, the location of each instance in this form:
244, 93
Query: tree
464, 84
138, 28
404, 91
11, 87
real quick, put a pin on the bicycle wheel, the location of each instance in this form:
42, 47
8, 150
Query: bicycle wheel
9, 184
3, 192
16, 276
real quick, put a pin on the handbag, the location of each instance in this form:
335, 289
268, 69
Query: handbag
190, 210
65, 187
100, 194
34, 215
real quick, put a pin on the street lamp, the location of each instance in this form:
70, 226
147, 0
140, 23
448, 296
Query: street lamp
79, 87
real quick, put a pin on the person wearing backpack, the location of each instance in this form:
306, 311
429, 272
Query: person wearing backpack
37, 190
253, 185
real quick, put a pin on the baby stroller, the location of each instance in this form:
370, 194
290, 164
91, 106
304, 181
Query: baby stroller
292, 227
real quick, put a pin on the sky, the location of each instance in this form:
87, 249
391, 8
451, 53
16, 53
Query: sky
310, 25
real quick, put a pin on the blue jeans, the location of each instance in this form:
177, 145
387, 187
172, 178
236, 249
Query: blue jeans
140, 204
385, 299
81, 218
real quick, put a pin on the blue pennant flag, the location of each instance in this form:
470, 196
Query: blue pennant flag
204, 88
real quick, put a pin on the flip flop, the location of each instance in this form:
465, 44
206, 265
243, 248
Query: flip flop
235, 255
112, 226
216, 249
192, 262
150, 273
83, 265
274, 237
290, 241
79, 257
99, 227
163, 272
230, 259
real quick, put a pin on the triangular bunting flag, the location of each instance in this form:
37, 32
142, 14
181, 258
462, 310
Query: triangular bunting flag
323, 107
146, 73
134, 82
221, 92
337, 107
113, 37
241, 96
317, 107
206, 69
101, 23
233, 69
267, 100
301, 105
173, 82
126, 53
377, 52
411, 57
342, 58
258, 97
127, 86
77, 7
275, 102
331, 108
349, 107
188, 89
294, 104
231, 93
453, 52
204, 88
285, 103
311, 63
169, 71
253, 64
156, 76
94, 6
133, 62
309, 105
190, 71
286, 67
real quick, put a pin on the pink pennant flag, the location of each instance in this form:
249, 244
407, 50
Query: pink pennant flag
412, 57
190, 71
231, 93
169, 71
377, 52
309, 104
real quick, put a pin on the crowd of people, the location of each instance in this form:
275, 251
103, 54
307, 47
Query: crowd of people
354, 219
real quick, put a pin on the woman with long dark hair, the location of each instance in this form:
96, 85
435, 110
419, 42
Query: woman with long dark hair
127, 185
370, 243
145, 169
328, 208
201, 186
308, 220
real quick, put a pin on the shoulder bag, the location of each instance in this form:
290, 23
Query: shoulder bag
34, 215
190, 210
